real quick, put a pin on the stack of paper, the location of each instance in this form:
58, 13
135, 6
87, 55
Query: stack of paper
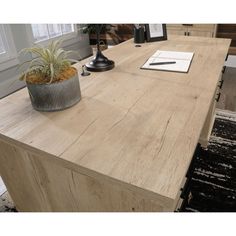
182, 61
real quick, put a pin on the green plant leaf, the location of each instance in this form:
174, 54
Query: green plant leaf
49, 61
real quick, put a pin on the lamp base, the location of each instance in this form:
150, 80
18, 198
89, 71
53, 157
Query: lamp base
100, 63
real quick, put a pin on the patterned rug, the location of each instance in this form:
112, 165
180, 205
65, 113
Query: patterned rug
212, 187
6, 203
213, 184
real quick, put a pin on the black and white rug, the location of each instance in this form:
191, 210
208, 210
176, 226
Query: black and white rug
213, 183
6, 203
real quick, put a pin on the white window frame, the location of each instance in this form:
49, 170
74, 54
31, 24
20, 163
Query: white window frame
10, 58
68, 38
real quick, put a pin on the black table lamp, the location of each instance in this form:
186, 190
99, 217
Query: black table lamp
99, 62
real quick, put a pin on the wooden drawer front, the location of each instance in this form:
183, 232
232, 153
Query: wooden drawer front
201, 30
193, 26
201, 33
207, 128
175, 26
175, 32
185, 190
204, 27
220, 85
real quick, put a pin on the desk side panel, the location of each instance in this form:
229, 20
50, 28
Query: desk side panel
40, 185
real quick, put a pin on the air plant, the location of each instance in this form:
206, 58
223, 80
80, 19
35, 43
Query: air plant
49, 62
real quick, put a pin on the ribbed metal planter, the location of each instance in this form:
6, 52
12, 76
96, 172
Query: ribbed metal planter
55, 96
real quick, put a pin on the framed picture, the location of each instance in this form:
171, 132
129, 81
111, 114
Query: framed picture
155, 32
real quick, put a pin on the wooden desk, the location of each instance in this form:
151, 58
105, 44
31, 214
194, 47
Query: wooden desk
125, 147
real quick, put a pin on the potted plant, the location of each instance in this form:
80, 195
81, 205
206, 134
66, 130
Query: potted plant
52, 81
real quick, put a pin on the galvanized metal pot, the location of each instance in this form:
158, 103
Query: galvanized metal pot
55, 96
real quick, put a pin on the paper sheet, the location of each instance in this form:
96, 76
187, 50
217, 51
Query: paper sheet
182, 59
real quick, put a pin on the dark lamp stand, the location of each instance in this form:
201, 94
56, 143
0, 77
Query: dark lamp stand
99, 62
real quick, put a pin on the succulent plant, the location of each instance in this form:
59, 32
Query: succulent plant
49, 62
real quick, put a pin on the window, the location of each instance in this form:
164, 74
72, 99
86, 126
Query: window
2, 48
3, 44
43, 32
7, 48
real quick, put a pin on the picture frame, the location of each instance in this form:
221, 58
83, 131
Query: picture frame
155, 32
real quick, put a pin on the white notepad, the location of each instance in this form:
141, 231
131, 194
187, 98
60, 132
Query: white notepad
182, 59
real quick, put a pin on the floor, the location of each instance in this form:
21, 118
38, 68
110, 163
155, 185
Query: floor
227, 102
2, 187
228, 94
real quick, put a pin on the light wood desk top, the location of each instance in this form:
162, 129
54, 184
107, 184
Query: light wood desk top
135, 126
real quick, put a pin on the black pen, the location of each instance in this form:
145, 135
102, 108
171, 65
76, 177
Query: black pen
162, 63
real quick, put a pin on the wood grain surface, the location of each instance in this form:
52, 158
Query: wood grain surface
136, 127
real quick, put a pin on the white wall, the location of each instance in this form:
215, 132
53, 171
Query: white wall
9, 77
